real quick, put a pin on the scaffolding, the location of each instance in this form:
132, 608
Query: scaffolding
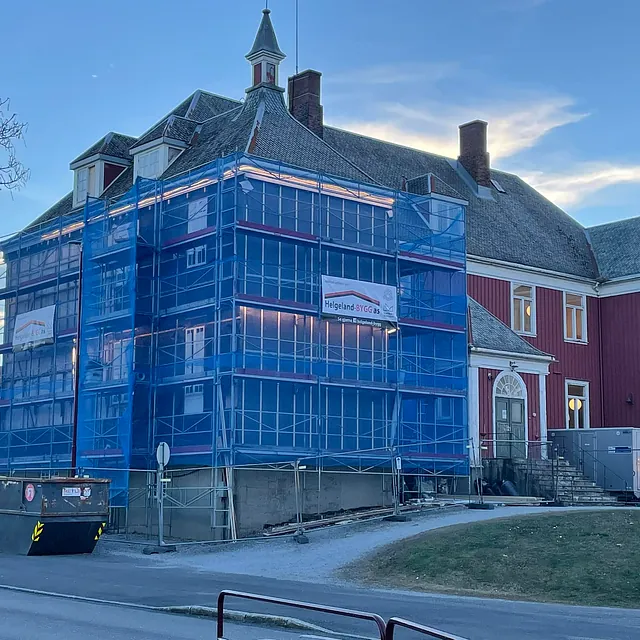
201, 326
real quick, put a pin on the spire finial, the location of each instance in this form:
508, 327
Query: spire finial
266, 41
265, 55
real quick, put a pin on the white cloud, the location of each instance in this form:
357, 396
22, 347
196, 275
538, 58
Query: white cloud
572, 187
513, 126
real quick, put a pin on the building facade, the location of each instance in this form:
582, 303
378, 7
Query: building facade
249, 311
267, 293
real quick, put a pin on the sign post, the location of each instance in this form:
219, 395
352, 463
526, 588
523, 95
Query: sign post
163, 453
396, 486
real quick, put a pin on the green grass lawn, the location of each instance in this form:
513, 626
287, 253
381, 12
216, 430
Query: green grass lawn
590, 558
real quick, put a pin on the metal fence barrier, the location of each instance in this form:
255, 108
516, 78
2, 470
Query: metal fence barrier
419, 628
347, 613
385, 631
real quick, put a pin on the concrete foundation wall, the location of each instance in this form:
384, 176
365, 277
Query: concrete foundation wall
262, 498
268, 497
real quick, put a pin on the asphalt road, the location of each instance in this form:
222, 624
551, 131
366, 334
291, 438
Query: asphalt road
142, 581
35, 617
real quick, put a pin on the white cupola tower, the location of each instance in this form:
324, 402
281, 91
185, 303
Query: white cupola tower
265, 55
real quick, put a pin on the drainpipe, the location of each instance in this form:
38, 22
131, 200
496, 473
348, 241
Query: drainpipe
596, 287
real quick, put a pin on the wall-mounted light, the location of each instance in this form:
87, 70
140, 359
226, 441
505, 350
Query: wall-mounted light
630, 398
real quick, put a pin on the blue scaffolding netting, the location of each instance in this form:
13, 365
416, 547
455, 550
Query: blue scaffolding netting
201, 326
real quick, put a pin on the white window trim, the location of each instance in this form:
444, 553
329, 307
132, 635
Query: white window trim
92, 190
587, 402
198, 220
194, 349
514, 285
193, 391
200, 250
585, 339
145, 154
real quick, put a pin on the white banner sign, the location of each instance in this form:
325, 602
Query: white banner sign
34, 328
353, 299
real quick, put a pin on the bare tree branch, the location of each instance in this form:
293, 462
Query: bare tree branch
13, 174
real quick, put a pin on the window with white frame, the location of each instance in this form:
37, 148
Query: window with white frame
523, 308
116, 359
2, 320
148, 164
197, 219
575, 317
196, 256
194, 398
194, 350
85, 183
577, 404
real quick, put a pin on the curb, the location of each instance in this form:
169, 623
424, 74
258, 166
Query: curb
261, 619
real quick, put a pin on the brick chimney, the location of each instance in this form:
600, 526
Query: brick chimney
304, 100
473, 151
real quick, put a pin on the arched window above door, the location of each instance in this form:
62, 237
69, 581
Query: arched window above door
509, 385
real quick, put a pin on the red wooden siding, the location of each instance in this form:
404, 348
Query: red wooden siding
533, 405
621, 359
494, 295
111, 172
485, 395
575, 361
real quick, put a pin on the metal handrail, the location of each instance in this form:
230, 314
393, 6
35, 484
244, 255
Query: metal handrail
348, 613
606, 469
420, 628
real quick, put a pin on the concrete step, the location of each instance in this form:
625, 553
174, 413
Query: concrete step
584, 497
579, 503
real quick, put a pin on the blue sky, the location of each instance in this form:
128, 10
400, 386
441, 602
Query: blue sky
556, 79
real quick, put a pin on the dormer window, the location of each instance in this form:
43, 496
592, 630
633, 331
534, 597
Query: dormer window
85, 184
152, 163
148, 164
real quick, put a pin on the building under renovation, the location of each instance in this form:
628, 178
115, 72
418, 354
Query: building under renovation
250, 295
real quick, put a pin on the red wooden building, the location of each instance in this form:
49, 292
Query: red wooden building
553, 306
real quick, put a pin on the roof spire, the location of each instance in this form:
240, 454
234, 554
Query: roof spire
266, 41
265, 55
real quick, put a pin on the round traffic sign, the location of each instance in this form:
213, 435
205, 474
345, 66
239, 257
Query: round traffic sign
163, 453
29, 493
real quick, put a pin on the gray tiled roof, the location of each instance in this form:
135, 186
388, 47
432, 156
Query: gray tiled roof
488, 332
63, 207
617, 247
202, 105
263, 127
113, 144
519, 226
175, 127
182, 121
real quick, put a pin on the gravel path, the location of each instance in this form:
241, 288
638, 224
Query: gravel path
328, 550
